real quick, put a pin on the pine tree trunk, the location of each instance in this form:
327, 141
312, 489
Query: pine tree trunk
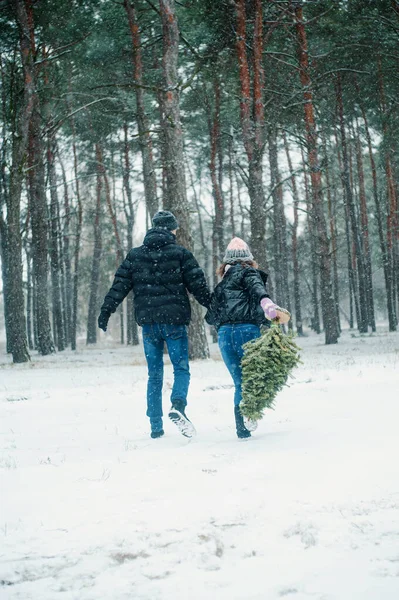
132, 330
333, 233
231, 185
365, 232
40, 241
252, 123
16, 330
78, 234
54, 250
314, 263
280, 225
362, 295
96, 262
294, 247
174, 159
214, 135
67, 258
323, 250
150, 182
392, 201
392, 322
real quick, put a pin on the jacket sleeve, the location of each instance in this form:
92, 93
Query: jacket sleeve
253, 282
123, 283
194, 279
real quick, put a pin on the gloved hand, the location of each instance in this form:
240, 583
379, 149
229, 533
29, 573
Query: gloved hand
269, 308
103, 320
272, 311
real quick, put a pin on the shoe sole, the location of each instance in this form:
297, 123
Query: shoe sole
185, 426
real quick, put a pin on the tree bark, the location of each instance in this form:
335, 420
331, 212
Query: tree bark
294, 247
392, 321
363, 314
97, 252
331, 329
150, 182
315, 321
78, 234
214, 136
392, 201
365, 231
252, 123
67, 257
174, 159
280, 225
59, 333
132, 330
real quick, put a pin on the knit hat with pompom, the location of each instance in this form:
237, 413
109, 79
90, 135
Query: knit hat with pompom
237, 250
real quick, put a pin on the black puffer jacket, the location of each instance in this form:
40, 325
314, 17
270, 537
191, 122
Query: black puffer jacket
237, 297
159, 272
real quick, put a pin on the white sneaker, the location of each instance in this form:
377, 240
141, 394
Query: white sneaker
182, 422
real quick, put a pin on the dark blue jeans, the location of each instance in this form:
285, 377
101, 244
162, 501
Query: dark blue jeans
176, 340
231, 339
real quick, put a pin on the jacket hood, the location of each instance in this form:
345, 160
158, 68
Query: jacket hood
158, 237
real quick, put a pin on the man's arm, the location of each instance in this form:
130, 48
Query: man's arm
194, 279
122, 284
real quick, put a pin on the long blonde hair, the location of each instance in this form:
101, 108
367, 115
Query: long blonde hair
220, 271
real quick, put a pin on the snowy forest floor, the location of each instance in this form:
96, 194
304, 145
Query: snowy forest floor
308, 508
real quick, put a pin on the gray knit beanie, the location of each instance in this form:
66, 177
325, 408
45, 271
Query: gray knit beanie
236, 251
165, 220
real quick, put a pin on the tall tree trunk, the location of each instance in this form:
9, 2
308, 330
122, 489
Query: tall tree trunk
176, 184
97, 252
331, 329
132, 330
67, 257
252, 123
150, 182
392, 321
333, 232
39, 225
314, 262
54, 249
78, 234
214, 135
365, 230
392, 200
231, 185
294, 247
16, 330
280, 224
363, 323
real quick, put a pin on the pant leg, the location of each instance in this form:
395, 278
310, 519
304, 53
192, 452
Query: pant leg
177, 343
153, 349
242, 334
231, 358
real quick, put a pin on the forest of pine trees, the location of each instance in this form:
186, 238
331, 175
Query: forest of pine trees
273, 120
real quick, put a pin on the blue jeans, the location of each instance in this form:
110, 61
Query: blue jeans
176, 340
231, 339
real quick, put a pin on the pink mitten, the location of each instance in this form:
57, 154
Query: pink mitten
269, 308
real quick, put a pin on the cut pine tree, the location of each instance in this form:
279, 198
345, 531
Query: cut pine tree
267, 363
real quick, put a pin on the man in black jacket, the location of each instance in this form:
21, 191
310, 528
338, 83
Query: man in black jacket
160, 272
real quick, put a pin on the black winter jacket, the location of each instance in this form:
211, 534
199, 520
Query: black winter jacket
236, 299
159, 272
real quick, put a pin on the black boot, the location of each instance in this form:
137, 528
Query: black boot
242, 431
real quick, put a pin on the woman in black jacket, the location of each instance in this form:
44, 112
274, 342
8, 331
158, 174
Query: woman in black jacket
240, 304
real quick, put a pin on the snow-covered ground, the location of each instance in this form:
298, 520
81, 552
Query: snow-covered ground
93, 509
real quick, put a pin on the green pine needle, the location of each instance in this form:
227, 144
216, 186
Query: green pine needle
266, 365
